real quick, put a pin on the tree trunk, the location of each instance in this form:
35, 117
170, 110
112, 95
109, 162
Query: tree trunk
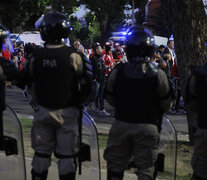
189, 27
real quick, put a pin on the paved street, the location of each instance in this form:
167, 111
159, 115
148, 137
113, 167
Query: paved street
14, 98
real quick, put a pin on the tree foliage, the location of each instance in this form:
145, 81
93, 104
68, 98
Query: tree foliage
24, 13
108, 13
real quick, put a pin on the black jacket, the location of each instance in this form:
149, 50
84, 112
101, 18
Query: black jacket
10, 73
99, 67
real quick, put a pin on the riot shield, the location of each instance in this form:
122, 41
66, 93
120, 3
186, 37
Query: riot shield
91, 165
12, 162
167, 151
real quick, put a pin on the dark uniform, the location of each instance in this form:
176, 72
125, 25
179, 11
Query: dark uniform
196, 102
140, 94
60, 80
99, 78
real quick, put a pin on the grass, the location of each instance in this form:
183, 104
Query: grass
26, 125
102, 138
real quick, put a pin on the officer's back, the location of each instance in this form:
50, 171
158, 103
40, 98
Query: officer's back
60, 81
140, 93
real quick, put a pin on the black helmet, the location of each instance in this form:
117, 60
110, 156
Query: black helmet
5, 40
54, 27
140, 44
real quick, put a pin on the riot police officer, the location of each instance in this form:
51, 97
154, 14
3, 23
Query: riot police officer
140, 93
60, 80
196, 99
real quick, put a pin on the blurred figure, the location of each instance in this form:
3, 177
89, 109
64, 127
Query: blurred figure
196, 99
158, 61
161, 49
99, 79
118, 54
108, 59
168, 61
19, 60
169, 50
7, 69
177, 109
79, 47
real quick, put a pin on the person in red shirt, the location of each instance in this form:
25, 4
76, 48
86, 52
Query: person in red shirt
19, 60
108, 59
6, 54
117, 54
177, 109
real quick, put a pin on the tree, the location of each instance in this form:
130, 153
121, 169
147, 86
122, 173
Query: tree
189, 27
157, 19
108, 13
24, 13
9, 13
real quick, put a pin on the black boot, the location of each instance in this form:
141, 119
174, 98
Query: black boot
114, 175
69, 176
39, 176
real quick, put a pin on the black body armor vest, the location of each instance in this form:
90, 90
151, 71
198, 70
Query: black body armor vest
136, 97
56, 85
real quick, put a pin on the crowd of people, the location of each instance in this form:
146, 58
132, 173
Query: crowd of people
113, 54
104, 58
17, 57
165, 58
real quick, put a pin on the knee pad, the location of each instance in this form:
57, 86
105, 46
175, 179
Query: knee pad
41, 162
39, 176
66, 164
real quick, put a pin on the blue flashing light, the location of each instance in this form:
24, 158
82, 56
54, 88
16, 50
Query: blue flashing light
124, 33
130, 33
147, 31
